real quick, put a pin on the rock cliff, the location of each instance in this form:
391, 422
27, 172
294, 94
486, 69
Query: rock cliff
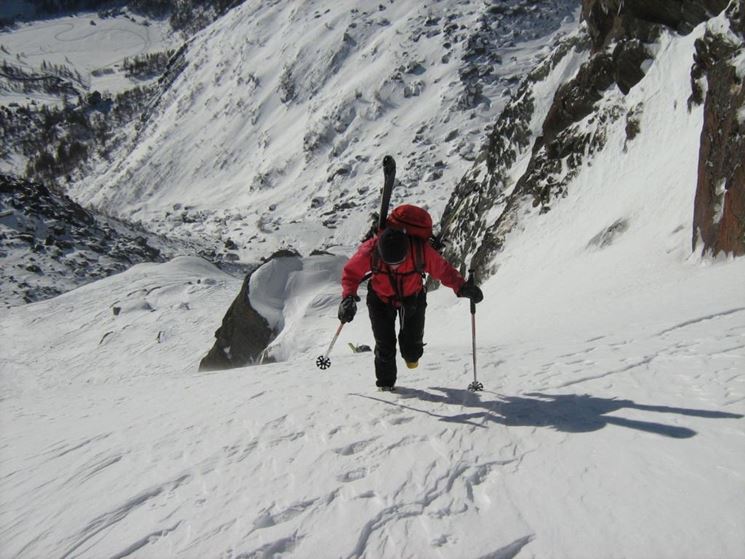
534, 151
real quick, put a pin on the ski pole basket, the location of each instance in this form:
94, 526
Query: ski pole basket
323, 362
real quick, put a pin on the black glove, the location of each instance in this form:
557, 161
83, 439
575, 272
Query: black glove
348, 308
472, 291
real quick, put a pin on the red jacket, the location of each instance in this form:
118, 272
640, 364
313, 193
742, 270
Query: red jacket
408, 280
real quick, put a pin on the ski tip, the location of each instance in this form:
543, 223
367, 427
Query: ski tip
389, 164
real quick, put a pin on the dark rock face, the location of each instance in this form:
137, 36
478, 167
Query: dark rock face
719, 209
242, 337
610, 20
576, 99
628, 57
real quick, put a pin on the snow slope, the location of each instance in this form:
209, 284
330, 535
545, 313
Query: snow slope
611, 425
627, 443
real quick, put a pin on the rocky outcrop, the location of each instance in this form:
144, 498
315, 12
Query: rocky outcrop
621, 32
719, 214
620, 37
719, 209
261, 325
618, 20
50, 245
242, 336
576, 99
488, 189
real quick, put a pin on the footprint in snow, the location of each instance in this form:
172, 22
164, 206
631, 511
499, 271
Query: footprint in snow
354, 448
267, 519
352, 475
400, 420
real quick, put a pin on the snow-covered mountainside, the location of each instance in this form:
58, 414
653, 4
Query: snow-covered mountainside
274, 131
612, 352
421, 82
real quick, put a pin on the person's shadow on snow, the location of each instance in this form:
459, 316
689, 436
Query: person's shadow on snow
569, 413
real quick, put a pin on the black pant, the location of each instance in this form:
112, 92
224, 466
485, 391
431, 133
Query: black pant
383, 320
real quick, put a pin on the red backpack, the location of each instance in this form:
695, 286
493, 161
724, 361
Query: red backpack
412, 220
417, 224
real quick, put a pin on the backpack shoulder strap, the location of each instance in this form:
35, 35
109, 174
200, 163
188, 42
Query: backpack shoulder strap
375, 261
418, 250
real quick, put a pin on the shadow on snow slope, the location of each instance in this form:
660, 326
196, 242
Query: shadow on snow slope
570, 413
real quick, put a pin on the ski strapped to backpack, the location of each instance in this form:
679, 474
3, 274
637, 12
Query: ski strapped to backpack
412, 220
389, 178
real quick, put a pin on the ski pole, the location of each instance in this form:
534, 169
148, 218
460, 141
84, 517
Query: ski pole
475, 386
323, 361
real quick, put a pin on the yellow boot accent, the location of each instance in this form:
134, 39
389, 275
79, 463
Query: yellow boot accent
412, 365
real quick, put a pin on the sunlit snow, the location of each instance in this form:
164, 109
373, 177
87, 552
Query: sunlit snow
613, 361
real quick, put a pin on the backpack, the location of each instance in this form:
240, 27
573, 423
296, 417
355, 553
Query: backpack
412, 220
417, 224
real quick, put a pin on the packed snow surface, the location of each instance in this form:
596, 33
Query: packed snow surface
611, 424
626, 441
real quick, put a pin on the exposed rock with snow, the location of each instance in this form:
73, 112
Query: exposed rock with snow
719, 213
485, 206
261, 325
615, 20
241, 338
49, 244
481, 208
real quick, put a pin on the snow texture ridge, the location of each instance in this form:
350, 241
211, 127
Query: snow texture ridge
576, 442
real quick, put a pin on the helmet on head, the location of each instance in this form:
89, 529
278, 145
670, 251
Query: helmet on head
393, 246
